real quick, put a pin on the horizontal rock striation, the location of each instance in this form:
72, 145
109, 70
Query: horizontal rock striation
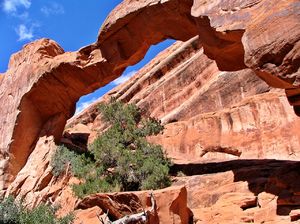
208, 114
223, 132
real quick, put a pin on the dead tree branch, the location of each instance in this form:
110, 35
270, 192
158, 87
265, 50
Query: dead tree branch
142, 216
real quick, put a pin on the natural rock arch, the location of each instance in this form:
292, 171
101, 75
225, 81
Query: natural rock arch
43, 83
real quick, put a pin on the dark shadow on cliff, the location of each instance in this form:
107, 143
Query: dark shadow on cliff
277, 177
77, 142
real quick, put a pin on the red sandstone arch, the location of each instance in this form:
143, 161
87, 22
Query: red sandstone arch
43, 83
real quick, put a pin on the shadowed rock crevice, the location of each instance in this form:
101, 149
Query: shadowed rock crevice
217, 167
77, 142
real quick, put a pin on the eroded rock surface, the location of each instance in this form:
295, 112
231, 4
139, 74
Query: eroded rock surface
35, 183
221, 133
171, 204
244, 191
215, 110
208, 114
43, 83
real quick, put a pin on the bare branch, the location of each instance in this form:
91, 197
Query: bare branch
103, 220
130, 218
142, 216
152, 202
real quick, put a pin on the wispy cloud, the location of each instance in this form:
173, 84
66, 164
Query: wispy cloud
11, 6
19, 10
24, 33
123, 78
53, 9
84, 105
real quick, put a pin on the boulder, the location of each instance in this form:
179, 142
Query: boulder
171, 205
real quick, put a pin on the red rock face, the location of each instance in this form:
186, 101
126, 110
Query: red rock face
233, 37
15, 93
222, 129
209, 115
244, 191
170, 202
209, 112
259, 127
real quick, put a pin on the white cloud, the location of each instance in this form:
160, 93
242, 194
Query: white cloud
19, 9
24, 33
11, 6
53, 9
84, 105
123, 78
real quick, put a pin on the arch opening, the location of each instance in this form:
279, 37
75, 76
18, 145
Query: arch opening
130, 71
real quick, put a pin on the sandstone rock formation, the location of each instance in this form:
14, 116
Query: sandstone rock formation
209, 115
42, 83
221, 129
35, 182
170, 204
244, 191
220, 117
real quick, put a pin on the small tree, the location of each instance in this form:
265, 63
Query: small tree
135, 163
122, 158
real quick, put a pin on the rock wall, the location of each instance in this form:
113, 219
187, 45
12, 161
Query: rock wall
223, 123
221, 127
208, 114
243, 191
43, 83
223, 132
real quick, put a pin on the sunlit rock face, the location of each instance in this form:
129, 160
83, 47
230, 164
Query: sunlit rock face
208, 114
243, 191
43, 83
171, 204
222, 129
205, 90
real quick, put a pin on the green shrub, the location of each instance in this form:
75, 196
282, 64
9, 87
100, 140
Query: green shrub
137, 163
79, 165
13, 212
94, 186
122, 159
9, 211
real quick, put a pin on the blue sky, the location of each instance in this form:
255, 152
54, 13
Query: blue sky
71, 23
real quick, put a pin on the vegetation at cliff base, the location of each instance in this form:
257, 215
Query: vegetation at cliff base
65, 160
120, 159
13, 212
